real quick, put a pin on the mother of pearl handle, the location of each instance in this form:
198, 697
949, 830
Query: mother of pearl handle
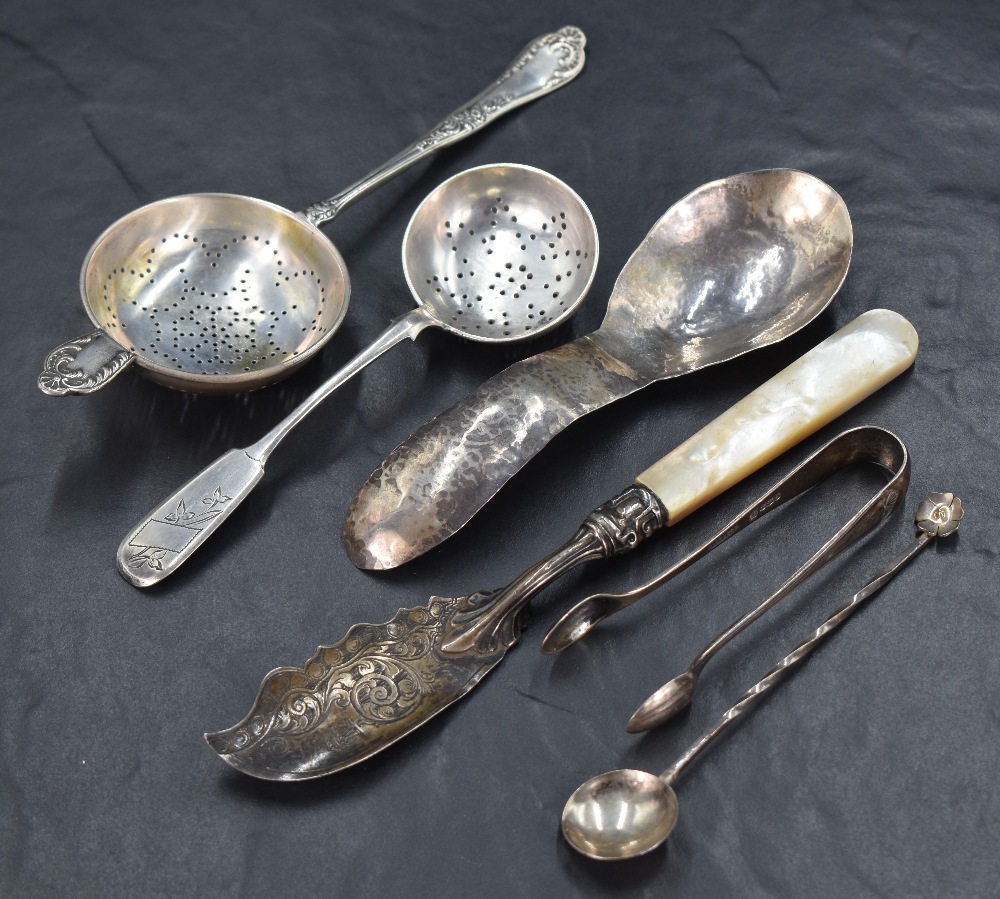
832, 377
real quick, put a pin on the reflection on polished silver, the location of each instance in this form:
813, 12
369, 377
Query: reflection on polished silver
626, 813
736, 265
217, 293
467, 261
328, 715
940, 514
858, 445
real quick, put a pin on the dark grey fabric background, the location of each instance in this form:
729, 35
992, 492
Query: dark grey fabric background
872, 772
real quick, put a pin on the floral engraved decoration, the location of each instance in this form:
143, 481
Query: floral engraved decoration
158, 537
463, 121
563, 53
565, 46
567, 43
370, 675
148, 555
324, 211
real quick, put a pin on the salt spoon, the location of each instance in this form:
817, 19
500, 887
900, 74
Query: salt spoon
626, 813
676, 695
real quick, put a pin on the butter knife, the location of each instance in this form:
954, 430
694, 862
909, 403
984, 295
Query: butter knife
380, 682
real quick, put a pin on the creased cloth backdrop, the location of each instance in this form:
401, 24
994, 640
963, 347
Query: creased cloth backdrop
873, 771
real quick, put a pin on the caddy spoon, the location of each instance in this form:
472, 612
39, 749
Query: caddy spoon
736, 265
355, 698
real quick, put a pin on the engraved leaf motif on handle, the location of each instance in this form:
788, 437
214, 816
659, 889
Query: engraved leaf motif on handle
182, 517
150, 556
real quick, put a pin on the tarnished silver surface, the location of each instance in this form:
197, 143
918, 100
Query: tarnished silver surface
620, 814
872, 445
380, 682
613, 528
865, 444
738, 264
477, 630
218, 293
624, 813
353, 699
467, 261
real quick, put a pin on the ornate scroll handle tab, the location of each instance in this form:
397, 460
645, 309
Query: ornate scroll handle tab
83, 365
616, 527
547, 63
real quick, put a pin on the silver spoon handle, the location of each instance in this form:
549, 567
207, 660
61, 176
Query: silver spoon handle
407, 326
798, 655
171, 533
547, 63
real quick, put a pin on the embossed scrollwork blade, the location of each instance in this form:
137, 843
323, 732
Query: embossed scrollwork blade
354, 698
382, 681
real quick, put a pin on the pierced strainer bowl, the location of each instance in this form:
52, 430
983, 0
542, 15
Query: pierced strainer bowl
498, 253
501, 252
217, 293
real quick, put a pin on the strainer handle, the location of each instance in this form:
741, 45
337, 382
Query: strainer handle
83, 365
169, 535
547, 63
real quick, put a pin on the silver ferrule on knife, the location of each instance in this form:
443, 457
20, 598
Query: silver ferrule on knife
353, 699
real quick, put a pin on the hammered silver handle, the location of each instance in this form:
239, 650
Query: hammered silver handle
437, 479
170, 534
547, 63
83, 365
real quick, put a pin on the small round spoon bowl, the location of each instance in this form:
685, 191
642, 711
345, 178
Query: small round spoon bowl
621, 814
581, 620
